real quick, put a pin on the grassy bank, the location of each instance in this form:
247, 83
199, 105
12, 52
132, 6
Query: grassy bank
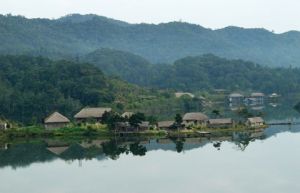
98, 130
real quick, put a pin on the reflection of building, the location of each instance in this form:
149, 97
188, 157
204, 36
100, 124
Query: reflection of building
58, 150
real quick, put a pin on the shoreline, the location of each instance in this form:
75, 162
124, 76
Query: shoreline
35, 132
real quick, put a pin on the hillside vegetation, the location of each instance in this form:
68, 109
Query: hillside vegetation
33, 87
199, 73
76, 35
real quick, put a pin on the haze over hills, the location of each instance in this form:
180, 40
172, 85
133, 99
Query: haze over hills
77, 35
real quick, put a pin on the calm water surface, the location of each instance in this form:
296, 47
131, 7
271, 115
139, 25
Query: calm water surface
258, 162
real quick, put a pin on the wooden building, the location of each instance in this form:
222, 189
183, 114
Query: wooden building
220, 123
236, 98
91, 114
195, 118
3, 126
182, 94
127, 115
165, 125
255, 122
56, 120
258, 97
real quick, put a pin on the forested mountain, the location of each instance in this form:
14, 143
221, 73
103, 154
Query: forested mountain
33, 87
204, 73
127, 66
211, 72
77, 35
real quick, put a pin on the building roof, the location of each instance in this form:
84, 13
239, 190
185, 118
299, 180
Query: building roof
197, 116
236, 95
58, 150
96, 112
165, 123
273, 95
180, 94
127, 114
255, 120
56, 117
220, 121
257, 94
144, 124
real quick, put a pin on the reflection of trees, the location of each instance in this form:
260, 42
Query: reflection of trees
22, 155
242, 140
179, 142
137, 149
74, 152
114, 150
179, 146
217, 145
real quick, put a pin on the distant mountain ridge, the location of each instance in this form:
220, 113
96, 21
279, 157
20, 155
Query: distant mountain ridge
77, 35
206, 72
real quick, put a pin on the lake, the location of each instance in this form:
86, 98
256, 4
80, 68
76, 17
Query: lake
258, 161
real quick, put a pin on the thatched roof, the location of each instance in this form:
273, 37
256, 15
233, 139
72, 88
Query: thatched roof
232, 95
255, 120
144, 124
180, 94
165, 124
127, 114
257, 94
91, 112
220, 121
58, 150
195, 117
56, 117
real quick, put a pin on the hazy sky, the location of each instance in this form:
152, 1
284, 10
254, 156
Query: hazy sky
278, 15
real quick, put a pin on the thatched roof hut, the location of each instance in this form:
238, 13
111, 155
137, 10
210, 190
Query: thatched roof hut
127, 114
257, 94
56, 117
165, 124
220, 121
197, 116
181, 94
255, 120
56, 120
94, 113
225, 122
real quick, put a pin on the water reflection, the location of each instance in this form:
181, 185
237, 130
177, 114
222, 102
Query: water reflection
24, 154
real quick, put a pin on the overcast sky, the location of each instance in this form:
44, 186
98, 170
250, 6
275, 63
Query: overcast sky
277, 15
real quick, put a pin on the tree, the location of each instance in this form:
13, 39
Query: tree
178, 119
216, 112
111, 118
136, 119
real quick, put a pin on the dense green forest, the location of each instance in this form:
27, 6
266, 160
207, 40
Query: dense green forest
77, 35
211, 72
199, 73
33, 87
128, 66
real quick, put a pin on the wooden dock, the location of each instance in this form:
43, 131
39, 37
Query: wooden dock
204, 133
